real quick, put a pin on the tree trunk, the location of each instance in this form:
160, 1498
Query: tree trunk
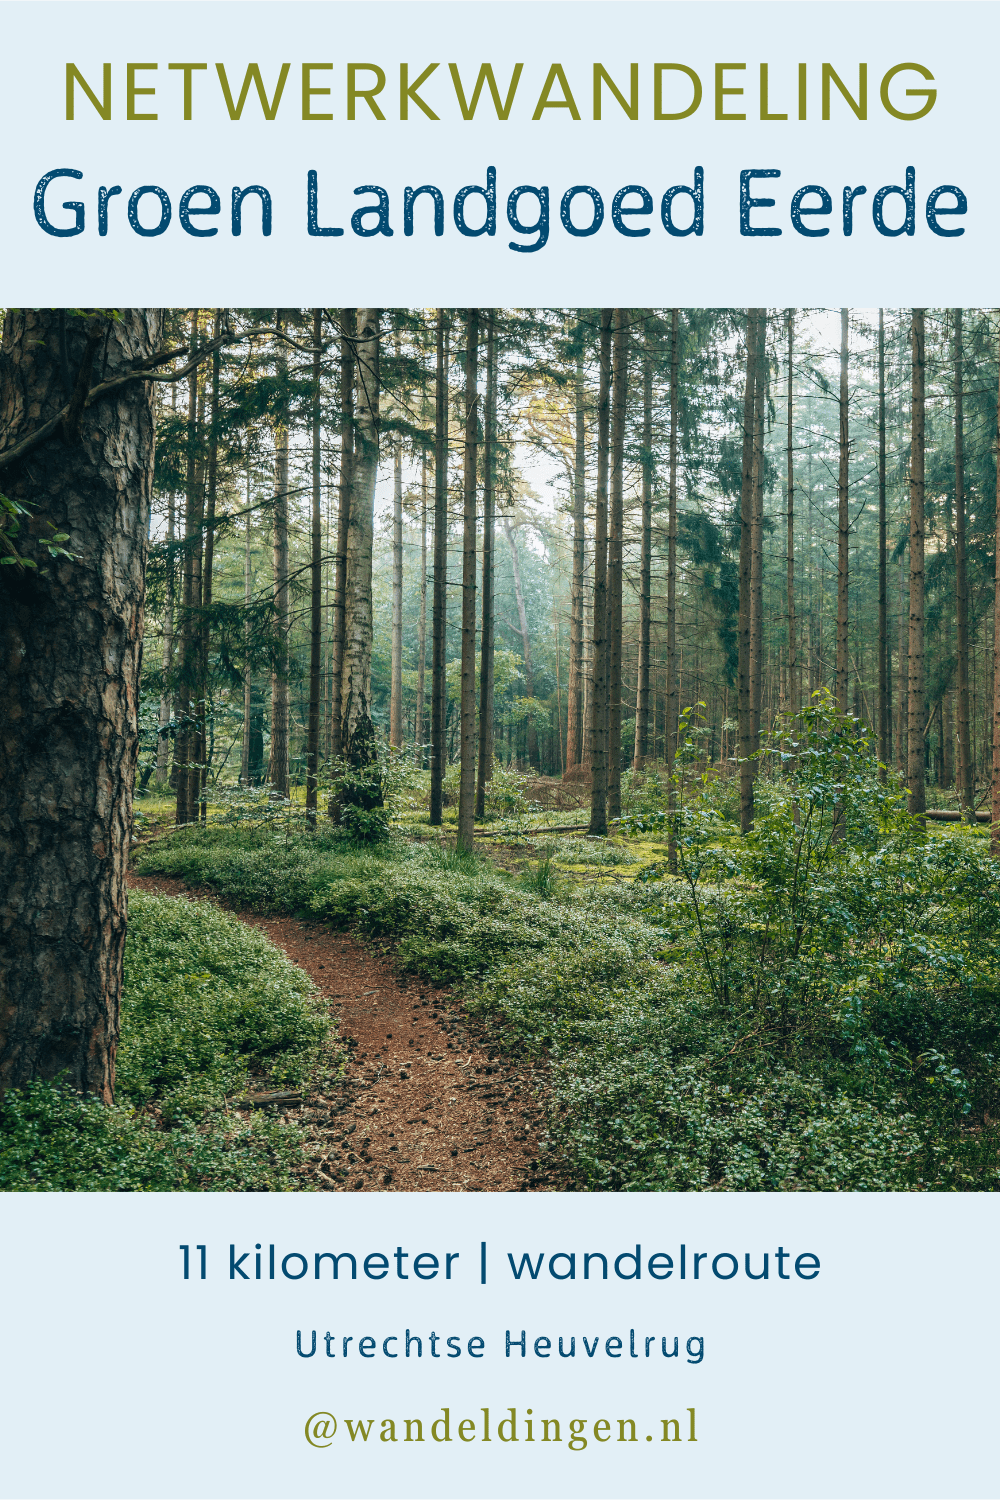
915, 773
901, 712
278, 773
966, 778
615, 559
746, 612
186, 739
396, 669
166, 695
757, 537
348, 326
793, 694
672, 705
200, 785
995, 788
315, 579
418, 712
247, 676
357, 730
575, 733
843, 520
645, 562
485, 767
467, 751
439, 613
70, 643
599, 685
883, 626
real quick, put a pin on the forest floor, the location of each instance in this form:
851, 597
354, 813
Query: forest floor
423, 1106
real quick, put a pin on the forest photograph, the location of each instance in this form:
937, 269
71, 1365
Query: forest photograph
499, 749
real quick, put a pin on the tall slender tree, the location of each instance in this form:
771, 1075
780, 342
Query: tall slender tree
358, 730
575, 726
884, 675
467, 763
315, 573
966, 795
745, 706
843, 520
599, 686
396, 662
279, 772
616, 526
793, 693
439, 618
347, 317
645, 559
915, 778
484, 771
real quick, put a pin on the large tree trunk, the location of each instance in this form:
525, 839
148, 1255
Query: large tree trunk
915, 697
965, 769
995, 788
278, 773
247, 675
599, 687
746, 613
357, 730
641, 750
842, 523
315, 578
440, 605
575, 693
467, 751
672, 705
70, 642
615, 559
166, 694
484, 772
883, 627
348, 326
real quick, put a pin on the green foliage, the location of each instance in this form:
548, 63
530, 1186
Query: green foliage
210, 1006
796, 1009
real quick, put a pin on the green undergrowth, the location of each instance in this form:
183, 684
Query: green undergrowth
210, 1007
791, 1011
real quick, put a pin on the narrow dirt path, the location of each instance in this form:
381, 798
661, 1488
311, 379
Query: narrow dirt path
423, 1108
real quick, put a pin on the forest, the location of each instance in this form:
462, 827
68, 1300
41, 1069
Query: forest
608, 695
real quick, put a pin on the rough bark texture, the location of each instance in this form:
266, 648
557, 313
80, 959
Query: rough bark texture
842, 522
883, 629
757, 536
915, 696
615, 561
672, 706
745, 616
599, 690
418, 712
575, 692
484, 770
357, 729
467, 766
995, 789
166, 696
348, 323
396, 665
645, 563
69, 668
185, 739
792, 694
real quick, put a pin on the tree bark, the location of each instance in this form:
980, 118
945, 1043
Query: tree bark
915, 727
883, 626
357, 730
278, 772
166, 695
793, 694
186, 738
70, 643
439, 611
744, 710
672, 704
396, 666
995, 788
843, 520
599, 688
966, 777
418, 712
757, 537
615, 560
315, 579
247, 675
575, 691
200, 783
641, 750
486, 644
348, 328
467, 751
